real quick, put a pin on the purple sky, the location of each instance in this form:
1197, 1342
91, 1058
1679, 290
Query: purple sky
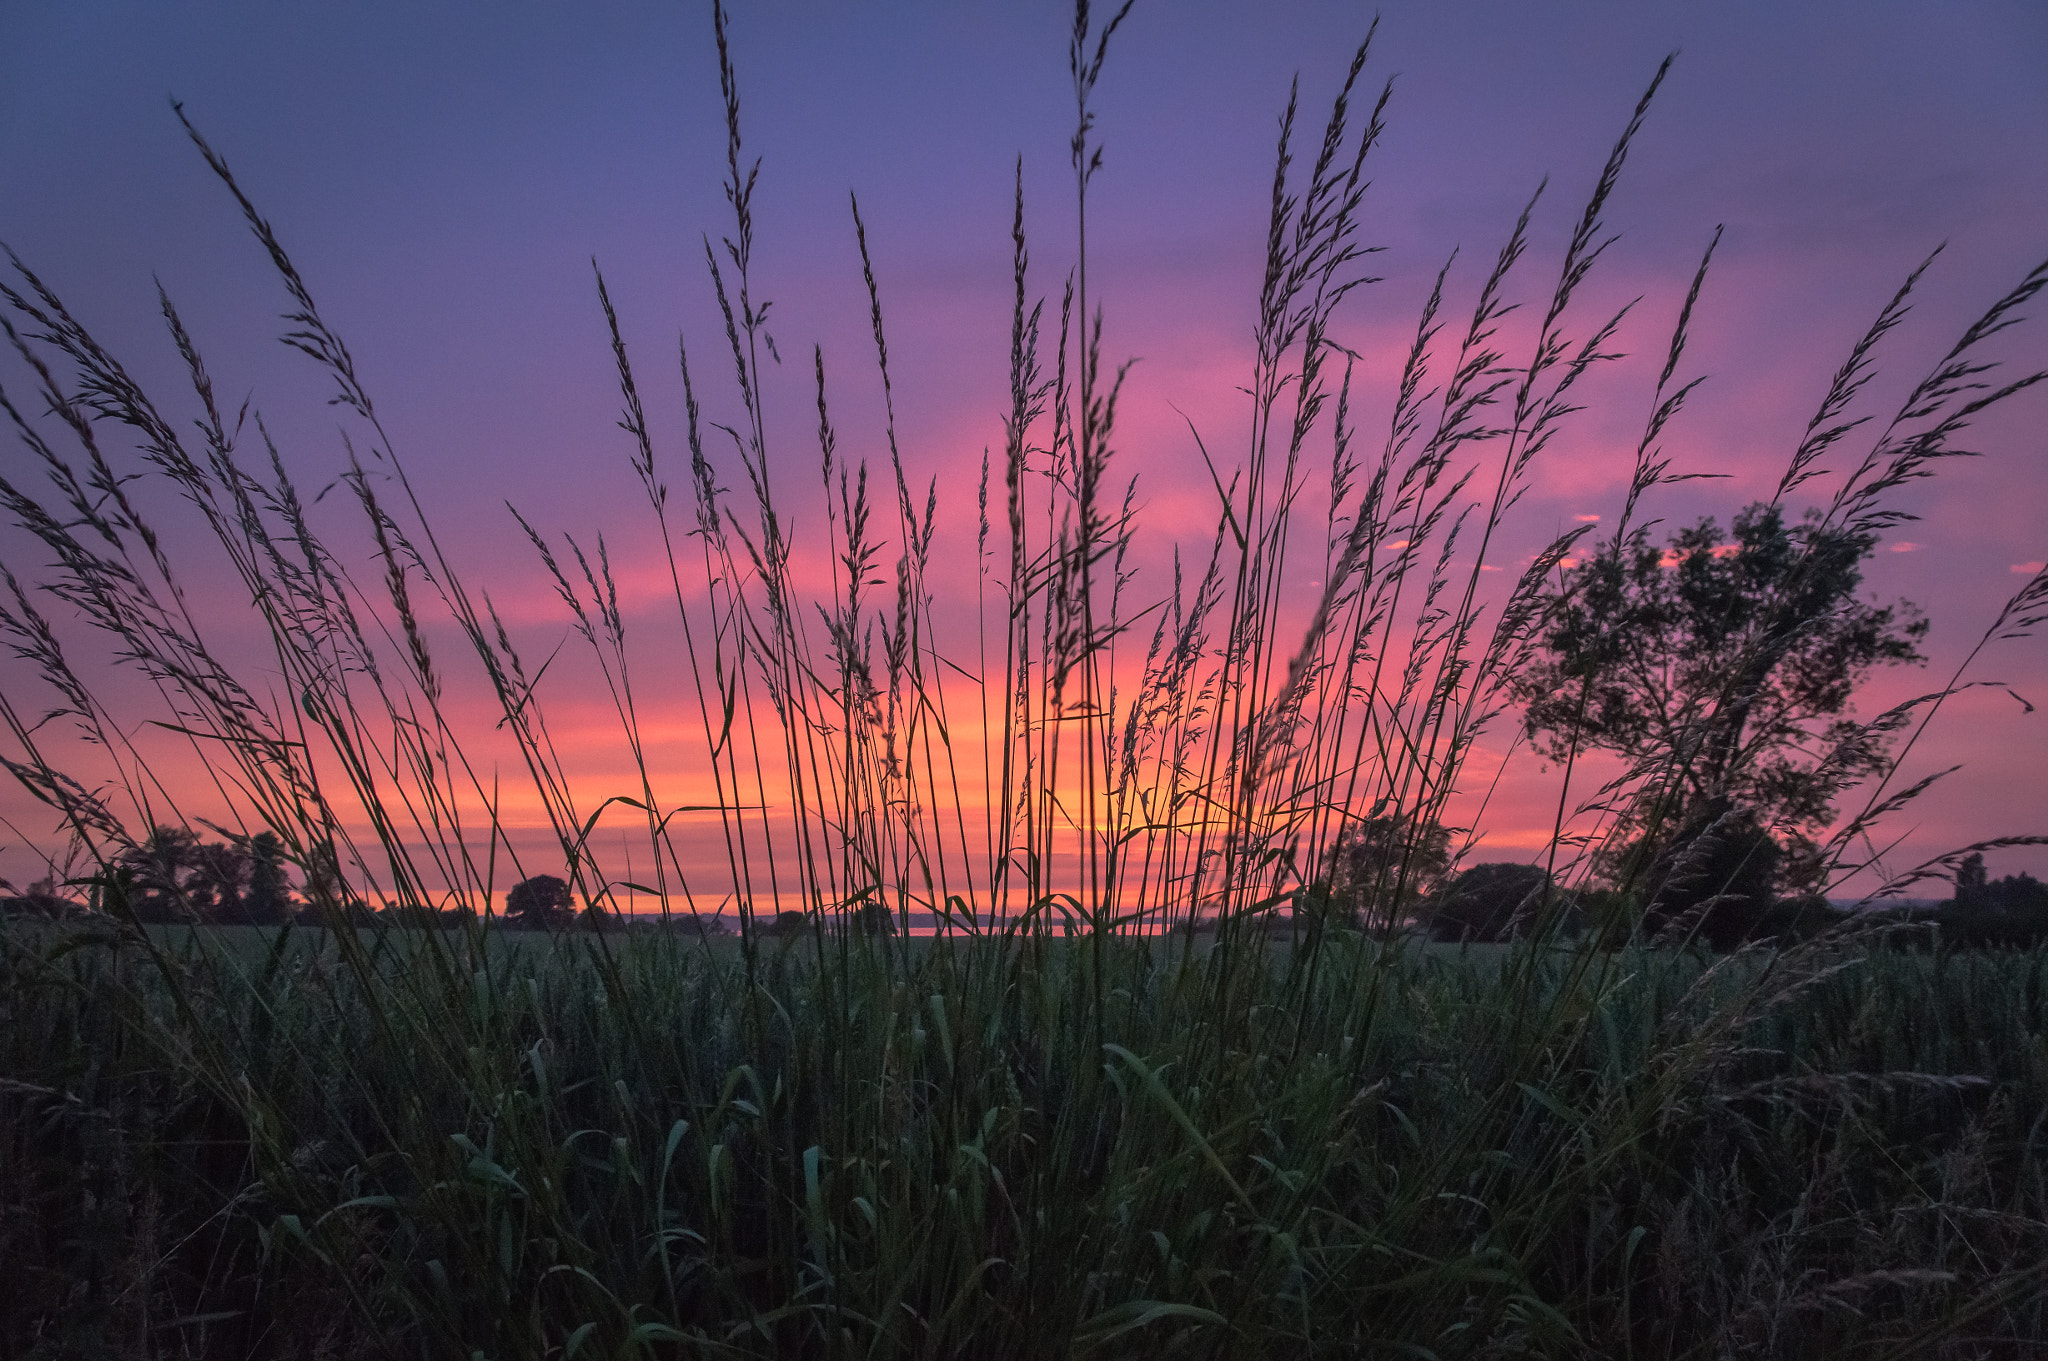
443, 173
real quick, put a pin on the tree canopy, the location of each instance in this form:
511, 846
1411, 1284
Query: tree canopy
173, 876
1724, 668
1382, 864
540, 903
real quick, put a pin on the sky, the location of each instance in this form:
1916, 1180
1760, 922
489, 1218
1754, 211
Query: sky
445, 174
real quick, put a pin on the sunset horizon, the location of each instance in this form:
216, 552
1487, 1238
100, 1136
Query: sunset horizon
492, 381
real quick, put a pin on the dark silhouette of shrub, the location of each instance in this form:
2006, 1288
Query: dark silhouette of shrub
1490, 903
872, 918
1787, 921
1713, 875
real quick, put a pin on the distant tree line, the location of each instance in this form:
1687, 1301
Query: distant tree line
1723, 896
1387, 872
172, 877
2012, 911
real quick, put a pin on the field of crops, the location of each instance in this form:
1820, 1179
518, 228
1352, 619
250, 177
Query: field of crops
222, 1144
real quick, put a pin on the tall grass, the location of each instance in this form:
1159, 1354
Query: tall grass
1066, 1126
568, 1151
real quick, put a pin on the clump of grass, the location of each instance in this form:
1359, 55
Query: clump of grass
1064, 1125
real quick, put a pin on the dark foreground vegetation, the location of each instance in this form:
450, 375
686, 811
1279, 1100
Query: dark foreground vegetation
242, 1143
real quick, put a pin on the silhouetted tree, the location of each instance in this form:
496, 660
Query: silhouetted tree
173, 876
540, 903
216, 881
268, 899
1723, 669
1383, 865
154, 872
1971, 881
2016, 895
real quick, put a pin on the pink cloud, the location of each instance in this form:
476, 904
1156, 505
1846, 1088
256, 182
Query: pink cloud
1672, 557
